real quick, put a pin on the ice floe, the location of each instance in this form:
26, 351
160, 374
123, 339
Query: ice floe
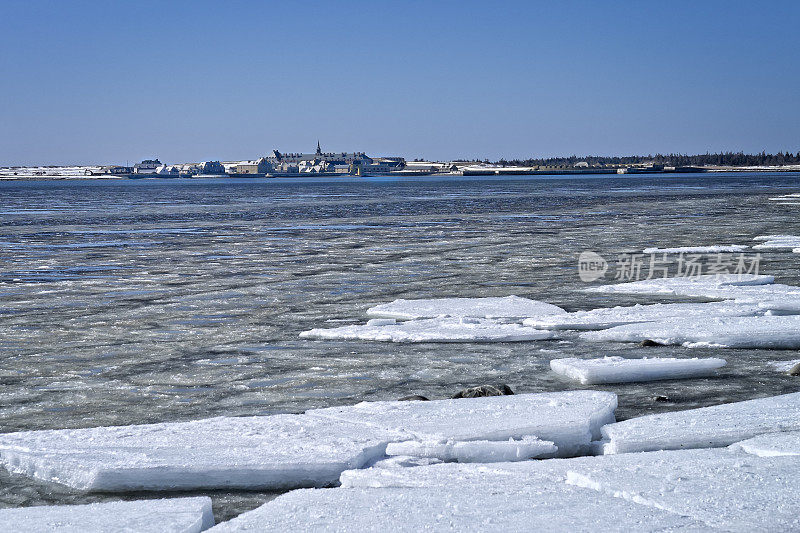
772, 444
476, 451
176, 515
616, 316
767, 332
492, 307
730, 248
270, 452
460, 507
777, 242
440, 329
623, 370
752, 288
706, 427
571, 419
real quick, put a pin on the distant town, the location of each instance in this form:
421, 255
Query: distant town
321, 163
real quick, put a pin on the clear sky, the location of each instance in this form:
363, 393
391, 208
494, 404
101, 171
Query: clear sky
113, 81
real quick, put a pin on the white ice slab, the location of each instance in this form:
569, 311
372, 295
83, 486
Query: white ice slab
484, 507
176, 515
771, 445
604, 318
622, 370
493, 307
570, 419
777, 242
716, 249
475, 451
271, 452
443, 329
784, 366
766, 332
707, 427
726, 490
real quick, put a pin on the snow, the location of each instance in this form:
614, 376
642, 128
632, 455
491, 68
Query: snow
706, 427
622, 370
270, 452
570, 419
505, 505
615, 316
777, 242
730, 248
477, 451
493, 307
771, 445
763, 332
721, 488
442, 329
176, 515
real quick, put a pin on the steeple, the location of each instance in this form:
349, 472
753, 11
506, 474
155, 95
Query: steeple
319, 150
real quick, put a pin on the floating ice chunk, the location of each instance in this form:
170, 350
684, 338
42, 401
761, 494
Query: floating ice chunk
777, 242
741, 287
442, 329
475, 451
729, 248
767, 332
621, 370
771, 445
176, 515
459, 507
569, 419
707, 427
269, 452
784, 366
721, 488
616, 316
493, 307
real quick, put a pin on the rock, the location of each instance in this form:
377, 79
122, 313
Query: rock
661, 398
795, 370
484, 390
648, 343
413, 398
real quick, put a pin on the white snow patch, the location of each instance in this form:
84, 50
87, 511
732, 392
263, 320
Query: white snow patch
269, 452
729, 248
616, 316
764, 332
476, 451
441, 329
777, 242
176, 515
771, 445
621, 370
707, 427
571, 419
492, 307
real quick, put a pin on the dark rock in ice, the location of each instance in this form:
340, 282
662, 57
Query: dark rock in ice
413, 398
648, 343
661, 398
484, 390
795, 370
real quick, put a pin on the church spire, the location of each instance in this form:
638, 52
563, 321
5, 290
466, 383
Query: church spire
319, 150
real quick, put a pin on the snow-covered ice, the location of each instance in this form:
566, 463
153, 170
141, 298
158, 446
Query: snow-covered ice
777, 242
460, 507
175, 515
492, 307
441, 329
570, 419
741, 287
771, 444
766, 332
623, 370
269, 452
784, 366
729, 248
475, 451
723, 489
706, 427
616, 316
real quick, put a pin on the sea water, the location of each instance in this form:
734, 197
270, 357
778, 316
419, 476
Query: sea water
138, 301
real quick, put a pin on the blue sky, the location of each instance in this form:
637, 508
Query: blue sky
113, 81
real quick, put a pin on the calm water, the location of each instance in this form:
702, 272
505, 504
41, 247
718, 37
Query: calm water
126, 302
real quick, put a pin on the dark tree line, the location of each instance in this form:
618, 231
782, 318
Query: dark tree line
737, 159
